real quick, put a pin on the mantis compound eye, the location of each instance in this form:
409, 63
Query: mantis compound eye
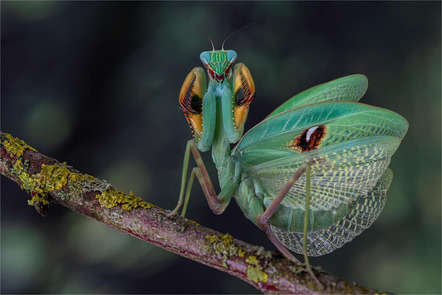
191, 100
218, 64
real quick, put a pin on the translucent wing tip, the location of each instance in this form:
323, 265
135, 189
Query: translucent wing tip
361, 217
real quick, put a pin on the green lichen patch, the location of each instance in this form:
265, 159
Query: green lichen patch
255, 274
18, 167
224, 246
252, 260
254, 270
111, 198
15, 146
54, 177
50, 178
61, 177
41, 200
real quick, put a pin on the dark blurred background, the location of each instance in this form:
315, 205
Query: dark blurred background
96, 84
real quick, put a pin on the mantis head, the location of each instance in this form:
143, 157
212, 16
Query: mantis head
234, 87
218, 64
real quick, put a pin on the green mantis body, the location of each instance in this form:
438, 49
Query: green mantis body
313, 174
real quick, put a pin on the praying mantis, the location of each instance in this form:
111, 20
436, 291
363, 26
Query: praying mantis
312, 175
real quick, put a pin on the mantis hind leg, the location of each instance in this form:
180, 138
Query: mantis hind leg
272, 237
268, 213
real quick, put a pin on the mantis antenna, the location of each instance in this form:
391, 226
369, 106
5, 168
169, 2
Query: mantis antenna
196, 25
222, 46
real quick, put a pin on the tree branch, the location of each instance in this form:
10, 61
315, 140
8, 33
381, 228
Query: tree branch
48, 181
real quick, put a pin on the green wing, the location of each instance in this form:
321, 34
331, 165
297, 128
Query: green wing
349, 154
361, 217
340, 174
349, 88
348, 146
281, 135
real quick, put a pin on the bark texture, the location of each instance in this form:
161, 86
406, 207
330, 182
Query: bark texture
48, 181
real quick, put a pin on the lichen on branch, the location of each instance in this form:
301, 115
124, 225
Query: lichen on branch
48, 181
112, 197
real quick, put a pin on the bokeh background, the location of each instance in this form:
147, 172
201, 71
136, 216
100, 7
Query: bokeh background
96, 84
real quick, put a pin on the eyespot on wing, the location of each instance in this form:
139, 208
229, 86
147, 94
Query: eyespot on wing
309, 139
